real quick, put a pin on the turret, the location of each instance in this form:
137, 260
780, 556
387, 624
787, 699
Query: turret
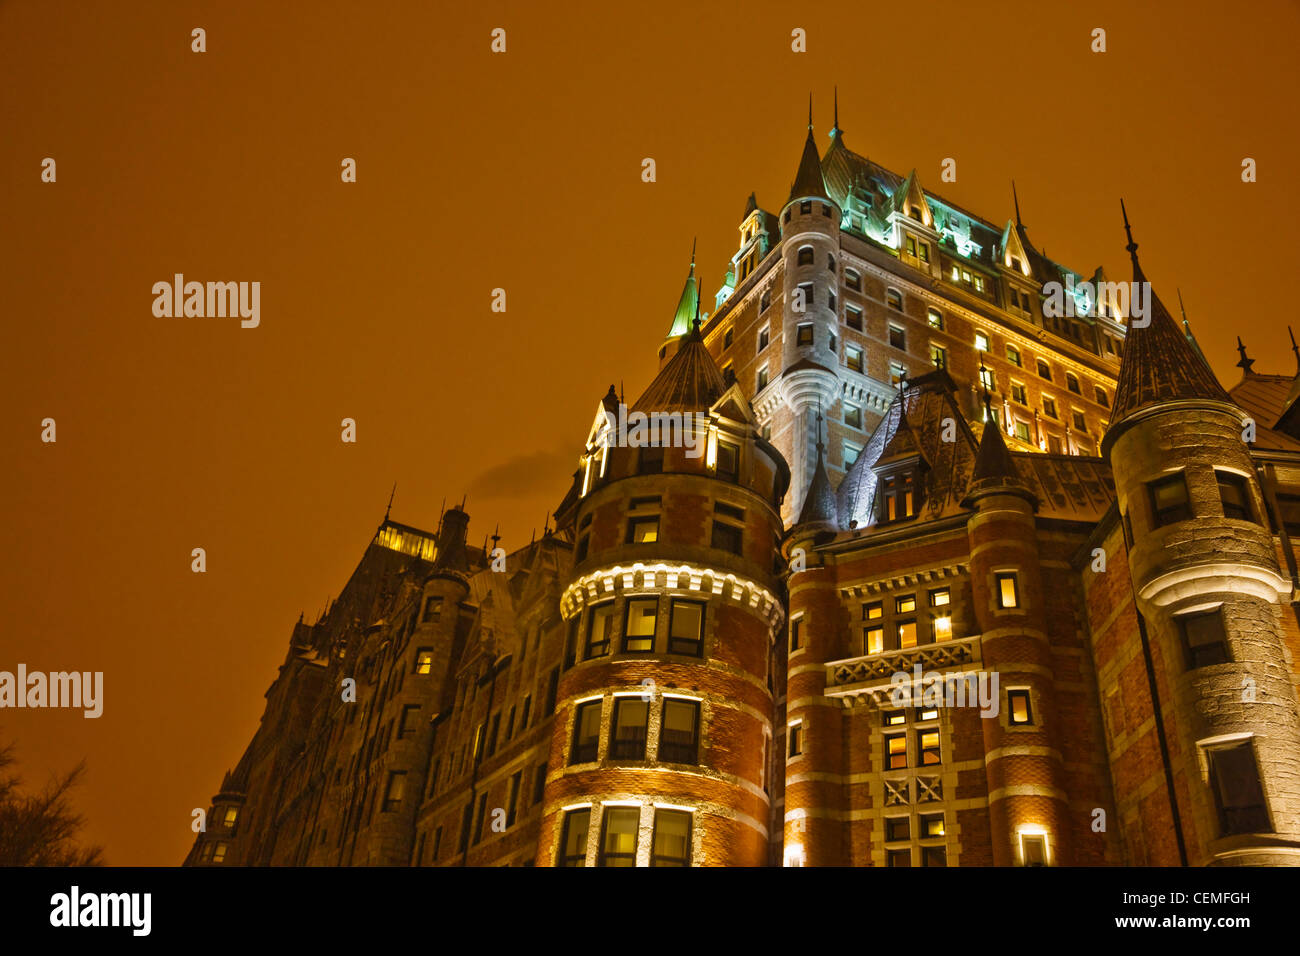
1208, 586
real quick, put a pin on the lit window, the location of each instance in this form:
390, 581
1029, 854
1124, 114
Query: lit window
586, 733
230, 816
679, 737
853, 357
897, 500
893, 718
1049, 407
672, 838
940, 597
573, 840
906, 634
1238, 796
853, 316
1018, 393
895, 751
1022, 430
805, 335
1008, 589
852, 415
1019, 708
943, 628
763, 338
219, 852
927, 747
938, 356
424, 660
686, 628
600, 626
987, 380
643, 530
905, 604
762, 379
931, 825
894, 299
796, 739
1234, 493
1204, 640
1169, 500
873, 611
1013, 355
897, 372
627, 737
1033, 849
850, 454
873, 639
981, 342
639, 625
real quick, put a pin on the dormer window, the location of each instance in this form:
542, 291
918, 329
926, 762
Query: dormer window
914, 213
898, 497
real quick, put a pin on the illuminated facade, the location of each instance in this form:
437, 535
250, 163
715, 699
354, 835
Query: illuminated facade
931, 574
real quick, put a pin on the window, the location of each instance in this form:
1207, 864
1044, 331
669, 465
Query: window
1079, 422
643, 530
873, 611
1102, 400
765, 302
938, 356
726, 339
1234, 492
923, 251
552, 690
762, 379
424, 660
1018, 393
898, 857
1019, 711
727, 537
1054, 444
893, 718
809, 296
219, 852
895, 751
539, 783
987, 380
905, 604
1007, 588
804, 335
826, 211
850, 453
1044, 370
229, 817
897, 372
650, 461
627, 737
672, 839
898, 828
805, 208
586, 733
853, 316
639, 625
1238, 796
873, 640
906, 632
1072, 383
432, 610
852, 415
584, 544
897, 498
911, 245
764, 336
853, 357
618, 836
935, 318
600, 625
897, 338
393, 791
805, 256
931, 825
796, 626
1013, 355
686, 628
410, 715
934, 856
728, 461
940, 597
1049, 407
679, 737
1033, 849
852, 280
981, 342
1169, 501
1022, 430
573, 841
894, 299
927, 747
796, 739
1203, 637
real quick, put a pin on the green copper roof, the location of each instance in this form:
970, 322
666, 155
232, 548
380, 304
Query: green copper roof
687, 306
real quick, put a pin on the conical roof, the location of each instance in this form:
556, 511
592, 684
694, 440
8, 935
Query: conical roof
995, 469
901, 446
819, 504
808, 181
690, 382
688, 306
1159, 364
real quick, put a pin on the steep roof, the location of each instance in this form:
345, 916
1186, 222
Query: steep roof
690, 382
819, 506
808, 181
1267, 399
688, 306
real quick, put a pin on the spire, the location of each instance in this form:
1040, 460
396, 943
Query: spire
1159, 365
1187, 328
689, 303
1016, 199
837, 134
690, 381
819, 503
1244, 363
389, 509
1295, 349
808, 181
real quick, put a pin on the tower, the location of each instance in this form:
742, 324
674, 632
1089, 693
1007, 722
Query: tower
660, 748
1207, 585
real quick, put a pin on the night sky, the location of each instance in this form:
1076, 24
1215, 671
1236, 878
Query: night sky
479, 171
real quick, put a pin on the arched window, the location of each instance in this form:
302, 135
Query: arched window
830, 262
894, 299
765, 302
805, 255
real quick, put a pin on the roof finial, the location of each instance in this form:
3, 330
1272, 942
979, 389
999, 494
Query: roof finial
1295, 349
693, 254
984, 381
819, 426
1016, 199
810, 111
496, 535
1245, 363
389, 509
836, 127
1132, 246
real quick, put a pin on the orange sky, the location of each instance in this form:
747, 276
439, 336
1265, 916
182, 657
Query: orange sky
478, 171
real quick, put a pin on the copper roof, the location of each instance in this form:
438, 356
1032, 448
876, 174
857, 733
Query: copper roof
690, 382
808, 182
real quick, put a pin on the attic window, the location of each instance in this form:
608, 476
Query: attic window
914, 212
1015, 263
898, 497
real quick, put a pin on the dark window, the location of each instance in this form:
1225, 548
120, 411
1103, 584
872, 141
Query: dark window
897, 338
806, 256
573, 841
728, 461
618, 836
492, 734
853, 280
853, 316
795, 626
727, 537
898, 828
852, 416
686, 628
826, 211
552, 690
584, 542
805, 207
627, 736
600, 627
894, 299
408, 723
1169, 500
1234, 492
651, 461
1102, 400
726, 339
1079, 421
898, 857
1007, 589
1238, 796
679, 737
765, 302
432, 609
805, 335
1044, 370
512, 800
570, 648
394, 790
934, 856
1204, 640
586, 733
523, 714
1018, 707
480, 816
796, 739
639, 625
672, 840
644, 530
437, 843
763, 338
539, 783
1072, 383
